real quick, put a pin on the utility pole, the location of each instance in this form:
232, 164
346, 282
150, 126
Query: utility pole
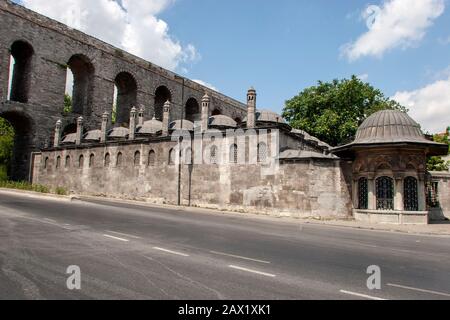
180, 142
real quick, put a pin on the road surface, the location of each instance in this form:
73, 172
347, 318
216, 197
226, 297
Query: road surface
136, 252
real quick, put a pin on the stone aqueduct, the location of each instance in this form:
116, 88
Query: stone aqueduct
32, 92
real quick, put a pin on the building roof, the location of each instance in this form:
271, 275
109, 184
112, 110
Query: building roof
70, 138
391, 127
118, 132
309, 137
293, 154
222, 121
93, 135
176, 125
267, 116
150, 127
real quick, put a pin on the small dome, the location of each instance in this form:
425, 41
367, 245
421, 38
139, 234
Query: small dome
268, 116
70, 138
389, 126
222, 121
118, 132
176, 125
150, 127
93, 135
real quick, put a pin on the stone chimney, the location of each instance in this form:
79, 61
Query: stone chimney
251, 108
166, 118
205, 113
105, 118
57, 140
141, 116
79, 131
133, 119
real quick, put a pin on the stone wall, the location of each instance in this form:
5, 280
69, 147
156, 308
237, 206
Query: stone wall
304, 188
53, 45
443, 180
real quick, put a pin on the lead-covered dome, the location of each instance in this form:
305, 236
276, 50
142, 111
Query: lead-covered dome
389, 126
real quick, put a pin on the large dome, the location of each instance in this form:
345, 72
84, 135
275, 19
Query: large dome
388, 126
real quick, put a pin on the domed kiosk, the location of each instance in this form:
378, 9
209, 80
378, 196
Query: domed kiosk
389, 168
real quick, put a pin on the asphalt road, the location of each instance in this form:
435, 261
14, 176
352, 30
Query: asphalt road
136, 252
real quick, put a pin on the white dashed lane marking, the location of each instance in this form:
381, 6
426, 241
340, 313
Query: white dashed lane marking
116, 238
171, 252
238, 257
123, 234
419, 290
361, 295
252, 271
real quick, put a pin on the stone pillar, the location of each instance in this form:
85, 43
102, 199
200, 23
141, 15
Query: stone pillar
205, 113
251, 108
166, 118
355, 193
399, 205
141, 116
105, 118
57, 139
79, 131
421, 190
372, 203
132, 130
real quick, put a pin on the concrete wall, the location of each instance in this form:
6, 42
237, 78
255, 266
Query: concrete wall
302, 189
54, 44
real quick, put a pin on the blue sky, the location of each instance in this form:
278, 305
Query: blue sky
281, 47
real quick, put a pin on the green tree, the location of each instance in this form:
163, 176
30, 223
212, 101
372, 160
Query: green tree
6, 147
67, 103
333, 111
437, 163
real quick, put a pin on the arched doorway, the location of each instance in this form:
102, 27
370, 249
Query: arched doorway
126, 97
20, 75
162, 94
216, 112
23, 145
193, 110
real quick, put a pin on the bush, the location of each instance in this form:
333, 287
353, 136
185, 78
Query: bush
61, 191
23, 185
3, 173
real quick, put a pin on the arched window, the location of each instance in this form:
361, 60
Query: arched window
67, 164
151, 158
58, 162
238, 121
20, 76
46, 163
193, 110
385, 193
81, 70
262, 152
137, 159
172, 157
213, 154
363, 193
81, 161
234, 153
119, 159
91, 160
216, 112
411, 200
162, 94
107, 160
125, 97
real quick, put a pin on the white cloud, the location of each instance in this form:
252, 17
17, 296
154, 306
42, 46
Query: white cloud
430, 105
206, 84
132, 25
363, 77
444, 41
396, 24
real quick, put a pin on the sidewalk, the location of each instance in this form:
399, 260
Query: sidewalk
436, 229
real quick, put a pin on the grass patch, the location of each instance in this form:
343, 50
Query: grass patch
61, 191
22, 185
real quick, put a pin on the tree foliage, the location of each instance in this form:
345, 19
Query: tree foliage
437, 163
67, 103
6, 146
333, 111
